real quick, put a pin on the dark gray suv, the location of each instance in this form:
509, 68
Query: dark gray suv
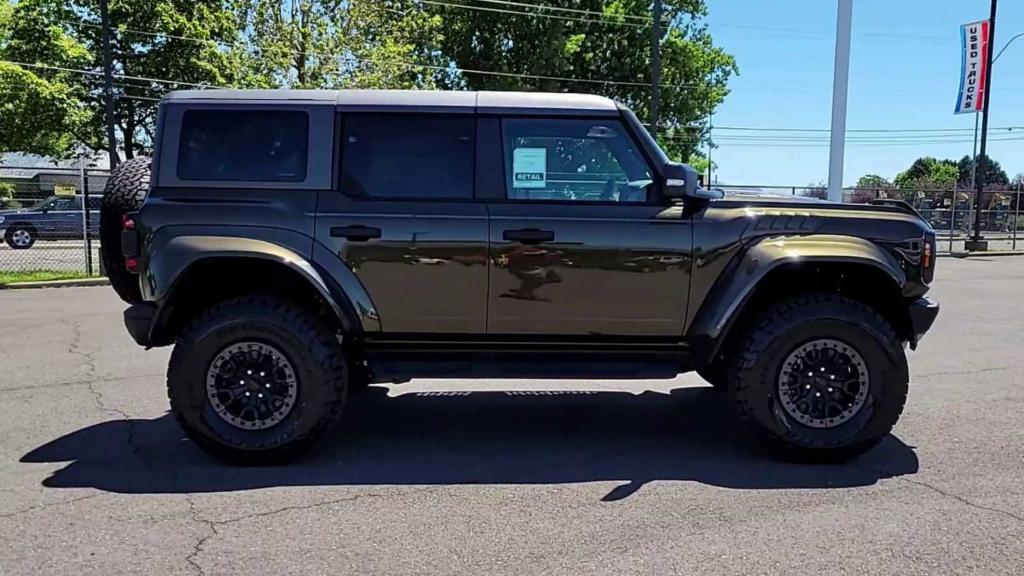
295, 246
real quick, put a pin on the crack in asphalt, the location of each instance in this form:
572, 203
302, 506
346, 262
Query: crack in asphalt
38, 507
962, 372
950, 495
213, 526
95, 380
964, 500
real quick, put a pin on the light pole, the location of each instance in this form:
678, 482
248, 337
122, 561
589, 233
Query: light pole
840, 88
974, 154
976, 243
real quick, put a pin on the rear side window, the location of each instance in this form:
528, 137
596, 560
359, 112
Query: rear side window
243, 145
407, 156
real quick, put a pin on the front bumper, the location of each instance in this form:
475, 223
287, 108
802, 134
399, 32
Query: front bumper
138, 319
922, 315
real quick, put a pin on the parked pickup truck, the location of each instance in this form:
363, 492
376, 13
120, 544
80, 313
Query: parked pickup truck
56, 218
294, 246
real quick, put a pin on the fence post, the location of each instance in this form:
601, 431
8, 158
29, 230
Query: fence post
952, 219
1016, 216
84, 187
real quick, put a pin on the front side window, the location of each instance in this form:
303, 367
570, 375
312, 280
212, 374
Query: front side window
243, 145
407, 156
573, 160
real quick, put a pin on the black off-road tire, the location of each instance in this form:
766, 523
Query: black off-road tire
125, 192
309, 346
756, 365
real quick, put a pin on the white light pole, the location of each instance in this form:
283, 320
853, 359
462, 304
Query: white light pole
840, 88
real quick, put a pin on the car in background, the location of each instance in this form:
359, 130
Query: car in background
55, 218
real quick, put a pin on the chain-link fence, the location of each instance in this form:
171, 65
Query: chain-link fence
49, 217
950, 212
49, 221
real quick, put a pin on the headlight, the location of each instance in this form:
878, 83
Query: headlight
1, 219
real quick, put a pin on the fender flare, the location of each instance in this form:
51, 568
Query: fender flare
740, 280
337, 285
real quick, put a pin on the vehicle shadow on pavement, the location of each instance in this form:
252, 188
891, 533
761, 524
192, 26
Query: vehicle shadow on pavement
450, 438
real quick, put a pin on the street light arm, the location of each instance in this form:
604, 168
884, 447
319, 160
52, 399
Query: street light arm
1005, 46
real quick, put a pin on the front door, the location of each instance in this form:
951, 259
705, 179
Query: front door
405, 222
580, 245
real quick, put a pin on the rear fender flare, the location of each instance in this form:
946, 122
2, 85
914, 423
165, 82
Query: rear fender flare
339, 288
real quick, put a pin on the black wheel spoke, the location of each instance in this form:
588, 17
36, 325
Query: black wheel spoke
251, 385
823, 383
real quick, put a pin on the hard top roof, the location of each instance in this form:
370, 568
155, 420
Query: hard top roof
434, 100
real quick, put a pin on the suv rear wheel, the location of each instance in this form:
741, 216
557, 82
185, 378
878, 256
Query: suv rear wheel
821, 377
256, 380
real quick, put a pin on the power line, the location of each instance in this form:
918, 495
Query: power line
532, 14
569, 10
405, 63
124, 76
765, 129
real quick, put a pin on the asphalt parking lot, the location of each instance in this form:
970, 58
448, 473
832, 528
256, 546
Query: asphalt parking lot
532, 477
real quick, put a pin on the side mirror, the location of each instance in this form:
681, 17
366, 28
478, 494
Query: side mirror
682, 181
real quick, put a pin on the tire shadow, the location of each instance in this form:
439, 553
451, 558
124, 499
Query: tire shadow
449, 438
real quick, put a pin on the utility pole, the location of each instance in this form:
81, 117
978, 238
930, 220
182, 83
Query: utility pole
655, 67
976, 243
108, 84
840, 88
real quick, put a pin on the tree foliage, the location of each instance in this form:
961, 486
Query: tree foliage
928, 173
147, 43
993, 175
341, 44
533, 52
873, 181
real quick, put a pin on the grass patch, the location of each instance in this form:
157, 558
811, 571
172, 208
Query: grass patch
38, 276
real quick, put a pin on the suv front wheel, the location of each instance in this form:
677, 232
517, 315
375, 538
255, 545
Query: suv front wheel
256, 379
821, 377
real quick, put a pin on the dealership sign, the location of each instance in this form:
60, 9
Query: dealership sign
973, 66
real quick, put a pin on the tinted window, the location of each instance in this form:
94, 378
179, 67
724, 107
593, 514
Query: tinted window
407, 156
64, 204
575, 160
243, 145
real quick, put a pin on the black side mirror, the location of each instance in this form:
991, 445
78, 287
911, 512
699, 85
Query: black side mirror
682, 181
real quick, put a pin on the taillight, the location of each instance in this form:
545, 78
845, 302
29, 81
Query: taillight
127, 222
130, 243
926, 255
131, 265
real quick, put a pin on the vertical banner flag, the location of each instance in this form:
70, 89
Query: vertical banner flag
973, 67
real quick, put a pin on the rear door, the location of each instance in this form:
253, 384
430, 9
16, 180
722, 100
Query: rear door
404, 219
581, 244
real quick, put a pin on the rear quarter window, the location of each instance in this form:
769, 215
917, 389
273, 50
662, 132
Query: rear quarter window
243, 145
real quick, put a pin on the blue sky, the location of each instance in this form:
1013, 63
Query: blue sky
904, 74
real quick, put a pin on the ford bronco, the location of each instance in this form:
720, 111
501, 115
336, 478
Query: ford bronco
294, 246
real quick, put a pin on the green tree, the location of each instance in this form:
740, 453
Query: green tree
873, 181
928, 172
994, 174
6, 195
176, 39
332, 44
532, 51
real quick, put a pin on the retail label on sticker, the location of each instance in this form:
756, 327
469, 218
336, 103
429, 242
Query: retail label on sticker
529, 167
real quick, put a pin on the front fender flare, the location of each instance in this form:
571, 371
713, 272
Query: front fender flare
739, 280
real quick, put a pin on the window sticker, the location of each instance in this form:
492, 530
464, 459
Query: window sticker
529, 167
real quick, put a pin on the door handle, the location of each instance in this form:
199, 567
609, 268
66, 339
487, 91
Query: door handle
355, 233
529, 235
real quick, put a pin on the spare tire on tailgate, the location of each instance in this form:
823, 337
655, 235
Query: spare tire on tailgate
125, 192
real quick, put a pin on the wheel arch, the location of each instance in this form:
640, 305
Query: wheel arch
193, 272
776, 267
